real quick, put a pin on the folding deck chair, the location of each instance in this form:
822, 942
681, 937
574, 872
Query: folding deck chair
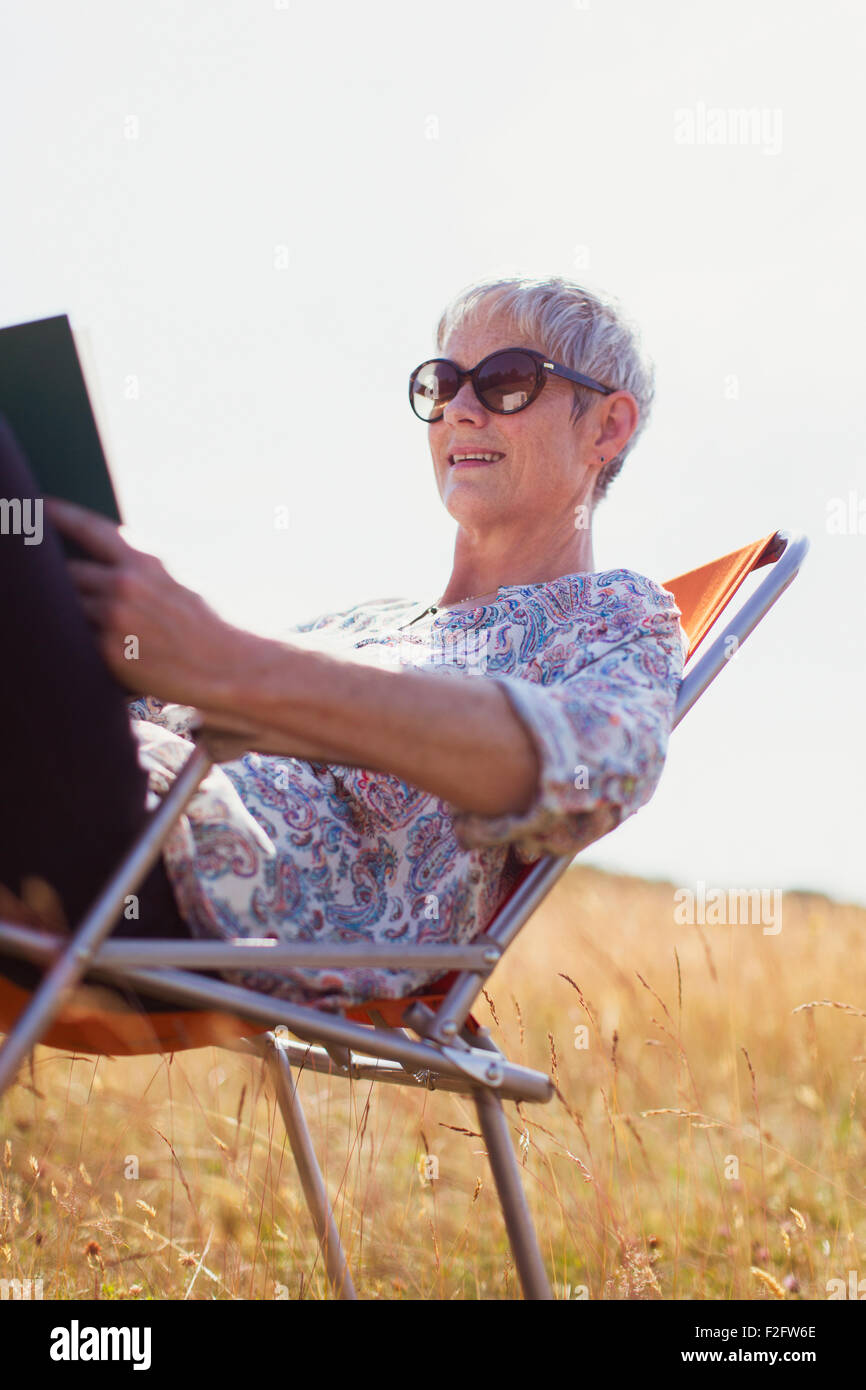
450, 1050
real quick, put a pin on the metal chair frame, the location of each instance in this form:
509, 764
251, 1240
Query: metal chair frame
447, 1055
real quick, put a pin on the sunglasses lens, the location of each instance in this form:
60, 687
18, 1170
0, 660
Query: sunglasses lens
432, 386
508, 381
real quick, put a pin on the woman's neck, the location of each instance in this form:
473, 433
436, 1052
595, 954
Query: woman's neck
478, 572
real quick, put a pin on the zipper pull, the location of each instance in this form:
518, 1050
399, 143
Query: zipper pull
432, 610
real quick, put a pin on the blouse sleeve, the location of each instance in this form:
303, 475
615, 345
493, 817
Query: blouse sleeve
601, 734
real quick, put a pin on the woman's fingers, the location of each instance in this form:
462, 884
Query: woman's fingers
94, 585
90, 577
93, 532
152, 632
94, 610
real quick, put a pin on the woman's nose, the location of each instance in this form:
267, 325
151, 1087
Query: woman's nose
465, 405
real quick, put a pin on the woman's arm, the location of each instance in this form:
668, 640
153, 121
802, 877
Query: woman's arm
456, 738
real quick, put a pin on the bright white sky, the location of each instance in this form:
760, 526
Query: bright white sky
258, 210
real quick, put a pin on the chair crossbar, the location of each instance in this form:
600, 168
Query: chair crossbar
242, 953
313, 1025
361, 1067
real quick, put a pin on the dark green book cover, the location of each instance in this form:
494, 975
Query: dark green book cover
44, 399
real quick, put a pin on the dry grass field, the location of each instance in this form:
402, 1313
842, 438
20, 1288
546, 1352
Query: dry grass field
708, 1142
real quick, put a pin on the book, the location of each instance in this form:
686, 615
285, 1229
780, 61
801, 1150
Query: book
45, 401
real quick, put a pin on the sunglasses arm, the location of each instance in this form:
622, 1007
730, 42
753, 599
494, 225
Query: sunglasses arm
557, 370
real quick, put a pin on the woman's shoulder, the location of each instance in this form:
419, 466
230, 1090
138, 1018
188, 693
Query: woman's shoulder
583, 616
633, 585
616, 590
570, 598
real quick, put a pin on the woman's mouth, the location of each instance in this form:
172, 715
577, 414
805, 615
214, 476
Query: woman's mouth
468, 459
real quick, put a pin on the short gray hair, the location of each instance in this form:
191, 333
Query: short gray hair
578, 329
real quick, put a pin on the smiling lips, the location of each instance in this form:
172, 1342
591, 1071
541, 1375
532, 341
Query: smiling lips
473, 459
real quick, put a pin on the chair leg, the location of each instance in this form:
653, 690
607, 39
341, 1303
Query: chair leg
506, 1175
310, 1175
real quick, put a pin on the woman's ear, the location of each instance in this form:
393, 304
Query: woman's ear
618, 419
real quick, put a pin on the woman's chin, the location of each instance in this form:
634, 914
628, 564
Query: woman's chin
472, 515
468, 500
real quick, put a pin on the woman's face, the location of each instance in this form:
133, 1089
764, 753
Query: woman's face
545, 465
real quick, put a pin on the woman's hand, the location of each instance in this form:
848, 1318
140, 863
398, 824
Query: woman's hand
38, 905
154, 635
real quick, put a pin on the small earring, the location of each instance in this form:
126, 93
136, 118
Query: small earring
602, 458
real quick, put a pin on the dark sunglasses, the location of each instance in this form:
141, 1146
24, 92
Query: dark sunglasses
504, 382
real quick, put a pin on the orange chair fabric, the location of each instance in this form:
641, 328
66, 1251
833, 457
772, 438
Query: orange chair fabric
703, 593
95, 1021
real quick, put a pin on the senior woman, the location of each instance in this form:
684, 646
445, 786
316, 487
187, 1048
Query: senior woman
383, 771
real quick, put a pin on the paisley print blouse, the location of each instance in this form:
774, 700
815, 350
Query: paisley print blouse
276, 847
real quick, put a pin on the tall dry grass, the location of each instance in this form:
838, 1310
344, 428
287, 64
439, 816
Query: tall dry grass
708, 1142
